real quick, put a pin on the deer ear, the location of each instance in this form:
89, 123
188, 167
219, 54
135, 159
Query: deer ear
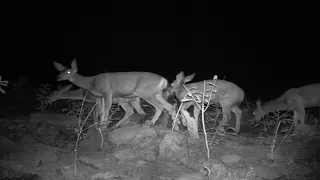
189, 78
180, 76
59, 66
258, 103
74, 65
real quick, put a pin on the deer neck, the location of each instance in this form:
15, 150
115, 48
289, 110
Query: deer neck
275, 105
74, 94
82, 81
79, 95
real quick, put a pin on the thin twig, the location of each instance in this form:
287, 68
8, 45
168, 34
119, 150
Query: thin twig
175, 119
80, 131
275, 135
284, 137
203, 125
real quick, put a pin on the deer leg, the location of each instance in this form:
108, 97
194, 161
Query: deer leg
301, 115
158, 107
107, 98
295, 117
299, 111
101, 108
238, 112
128, 112
184, 106
165, 104
196, 112
226, 115
136, 105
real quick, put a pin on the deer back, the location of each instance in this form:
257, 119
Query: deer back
129, 83
221, 90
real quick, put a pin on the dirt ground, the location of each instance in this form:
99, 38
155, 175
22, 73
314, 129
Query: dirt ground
43, 148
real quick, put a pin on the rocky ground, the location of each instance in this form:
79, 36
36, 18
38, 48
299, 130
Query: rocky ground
42, 147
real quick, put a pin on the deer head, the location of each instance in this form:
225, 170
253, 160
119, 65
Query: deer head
65, 73
259, 111
179, 81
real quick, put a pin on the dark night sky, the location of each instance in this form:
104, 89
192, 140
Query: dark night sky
264, 59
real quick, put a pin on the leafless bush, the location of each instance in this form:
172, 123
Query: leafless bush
3, 83
274, 129
41, 96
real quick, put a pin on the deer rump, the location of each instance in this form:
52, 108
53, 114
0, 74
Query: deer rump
308, 96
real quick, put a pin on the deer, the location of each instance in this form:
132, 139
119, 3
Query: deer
120, 85
294, 99
83, 94
227, 94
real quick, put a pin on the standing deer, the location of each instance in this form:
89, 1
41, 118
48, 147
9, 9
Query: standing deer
227, 94
294, 99
80, 94
109, 86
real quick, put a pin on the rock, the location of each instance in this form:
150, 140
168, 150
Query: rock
48, 156
172, 145
26, 139
193, 176
150, 156
67, 171
7, 145
95, 161
215, 166
230, 159
124, 154
107, 175
176, 147
132, 135
17, 167
267, 172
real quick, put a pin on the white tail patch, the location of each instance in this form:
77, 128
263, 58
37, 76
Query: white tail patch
163, 83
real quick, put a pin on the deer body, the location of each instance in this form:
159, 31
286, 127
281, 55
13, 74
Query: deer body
294, 99
120, 85
227, 94
126, 84
83, 94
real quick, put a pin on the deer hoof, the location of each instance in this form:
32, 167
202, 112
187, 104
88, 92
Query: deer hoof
114, 127
148, 123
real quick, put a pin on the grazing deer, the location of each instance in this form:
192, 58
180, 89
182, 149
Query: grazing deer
123, 85
80, 94
227, 94
295, 99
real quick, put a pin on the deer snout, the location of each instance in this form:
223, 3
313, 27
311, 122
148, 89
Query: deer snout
48, 100
170, 90
256, 117
59, 78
